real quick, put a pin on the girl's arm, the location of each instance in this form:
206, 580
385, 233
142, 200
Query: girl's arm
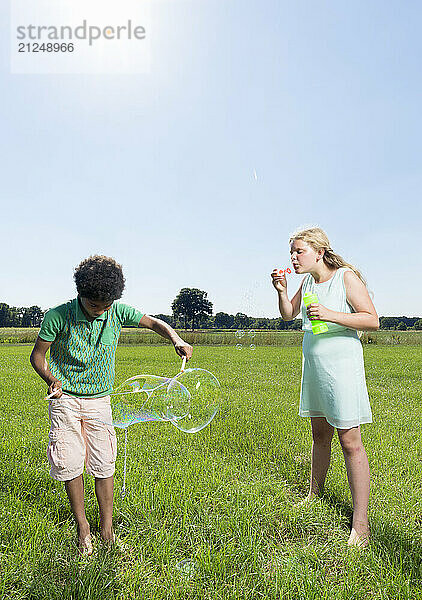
163, 329
365, 316
289, 309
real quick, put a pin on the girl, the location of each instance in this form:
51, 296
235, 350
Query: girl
333, 391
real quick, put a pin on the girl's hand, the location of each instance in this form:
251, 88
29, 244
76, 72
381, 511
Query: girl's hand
279, 281
319, 312
55, 386
183, 349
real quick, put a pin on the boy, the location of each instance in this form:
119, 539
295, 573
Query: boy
82, 336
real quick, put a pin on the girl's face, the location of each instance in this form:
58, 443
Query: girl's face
304, 257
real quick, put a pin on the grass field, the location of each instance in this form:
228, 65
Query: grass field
222, 497
222, 337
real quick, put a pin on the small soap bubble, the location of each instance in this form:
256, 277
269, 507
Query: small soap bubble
252, 346
239, 333
251, 333
239, 346
186, 567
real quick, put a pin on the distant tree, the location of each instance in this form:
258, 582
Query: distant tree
409, 321
26, 318
223, 320
4, 315
398, 322
418, 324
10, 316
191, 305
388, 322
242, 321
166, 318
281, 324
206, 322
296, 324
260, 323
32, 316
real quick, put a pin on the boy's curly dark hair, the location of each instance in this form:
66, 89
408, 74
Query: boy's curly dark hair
99, 278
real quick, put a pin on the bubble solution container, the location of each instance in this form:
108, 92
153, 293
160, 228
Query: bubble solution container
317, 326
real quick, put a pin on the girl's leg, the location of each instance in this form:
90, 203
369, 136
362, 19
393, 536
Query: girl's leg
358, 475
322, 434
75, 493
104, 493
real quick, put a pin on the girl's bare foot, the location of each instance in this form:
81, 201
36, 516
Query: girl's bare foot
359, 539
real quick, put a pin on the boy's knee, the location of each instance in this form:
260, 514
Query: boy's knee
101, 451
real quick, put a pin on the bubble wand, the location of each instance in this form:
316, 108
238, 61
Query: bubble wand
281, 272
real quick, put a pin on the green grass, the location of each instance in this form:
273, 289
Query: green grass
222, 497
221, 337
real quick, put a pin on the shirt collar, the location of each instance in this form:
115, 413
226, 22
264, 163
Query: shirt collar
80, 315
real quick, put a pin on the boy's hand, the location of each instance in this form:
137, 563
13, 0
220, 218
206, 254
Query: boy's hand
56, 385
183, 349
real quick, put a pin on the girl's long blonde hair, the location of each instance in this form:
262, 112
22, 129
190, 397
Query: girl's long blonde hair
318, 240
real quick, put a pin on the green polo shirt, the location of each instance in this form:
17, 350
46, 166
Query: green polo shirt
82, 354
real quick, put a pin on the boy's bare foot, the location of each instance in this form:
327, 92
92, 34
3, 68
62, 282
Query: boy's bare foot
107, 536
309, 498
85, 541
359, 539
114, 542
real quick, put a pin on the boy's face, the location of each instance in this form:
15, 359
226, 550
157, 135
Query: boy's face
94, 308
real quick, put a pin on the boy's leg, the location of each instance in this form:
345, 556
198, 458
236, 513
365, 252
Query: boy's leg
104, 493
66, 451
75, 493
101, 447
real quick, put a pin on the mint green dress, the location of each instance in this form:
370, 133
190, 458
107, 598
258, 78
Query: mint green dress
333, 373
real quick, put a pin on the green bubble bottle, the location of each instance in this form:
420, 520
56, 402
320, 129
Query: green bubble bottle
317, 326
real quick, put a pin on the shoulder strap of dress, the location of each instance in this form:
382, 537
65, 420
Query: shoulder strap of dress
343, 270
307, 280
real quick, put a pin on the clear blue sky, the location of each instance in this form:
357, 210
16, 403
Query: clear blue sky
322, 99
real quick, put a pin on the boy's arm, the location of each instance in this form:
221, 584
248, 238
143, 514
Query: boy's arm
163, 329
40, 365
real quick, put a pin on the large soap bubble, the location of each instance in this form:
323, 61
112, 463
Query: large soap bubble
145, 398
195, 396
189, 401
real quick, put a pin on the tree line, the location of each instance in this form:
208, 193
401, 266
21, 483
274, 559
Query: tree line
192, 309
13, 316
